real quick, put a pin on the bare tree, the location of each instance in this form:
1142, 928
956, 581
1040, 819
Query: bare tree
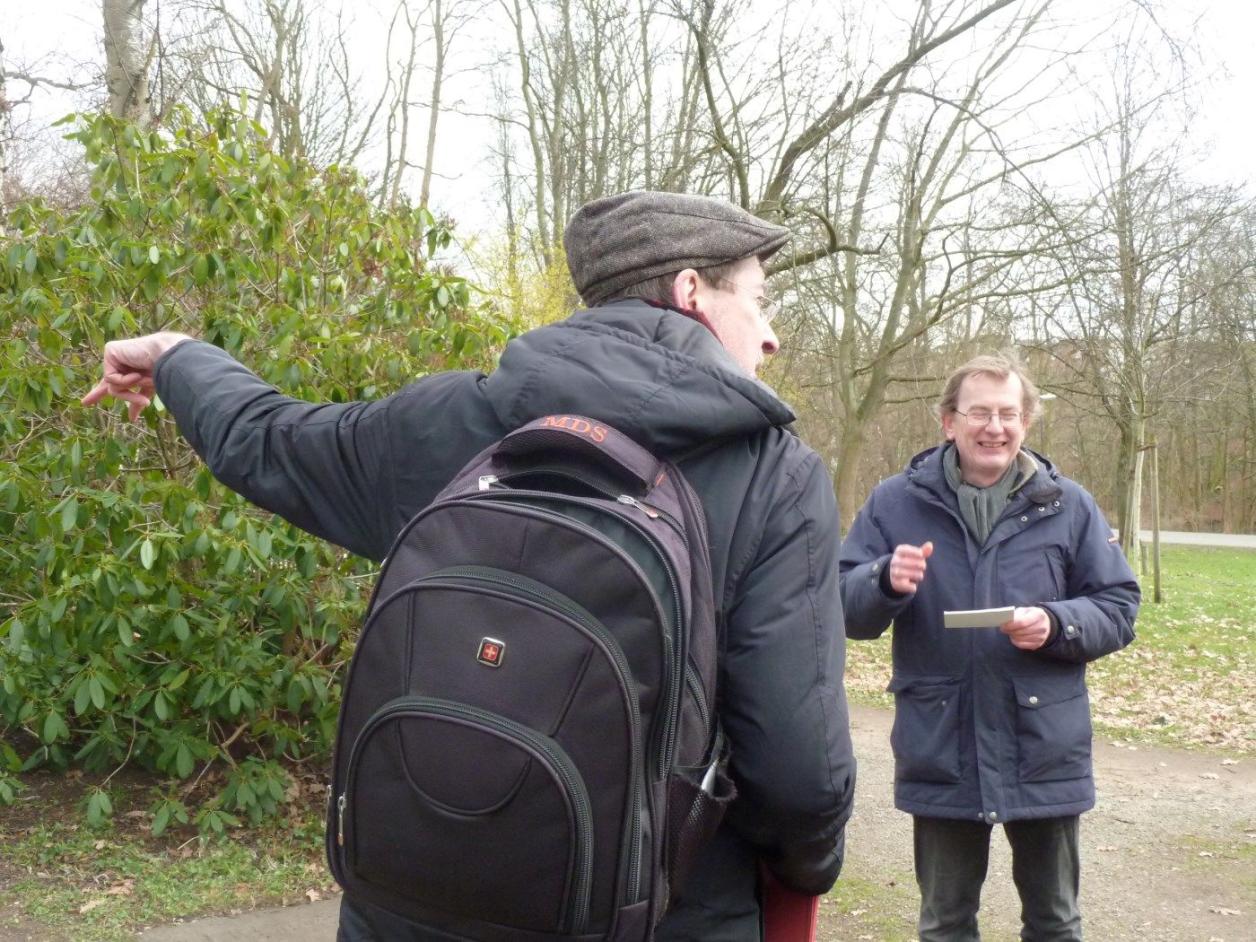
129, 53
1132, 264
445, 19
6, 141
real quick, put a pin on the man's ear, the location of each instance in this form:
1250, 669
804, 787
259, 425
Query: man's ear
685, 290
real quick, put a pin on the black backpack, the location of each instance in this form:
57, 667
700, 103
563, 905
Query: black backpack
527, 745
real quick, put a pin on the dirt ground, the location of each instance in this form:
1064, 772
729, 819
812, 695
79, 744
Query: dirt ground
1168, 853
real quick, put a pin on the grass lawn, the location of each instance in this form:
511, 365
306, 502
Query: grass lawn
61, 879
1188, 681
1189, 678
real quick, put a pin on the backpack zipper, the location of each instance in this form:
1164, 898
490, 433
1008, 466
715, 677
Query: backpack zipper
694, 683
550, 752
678, 657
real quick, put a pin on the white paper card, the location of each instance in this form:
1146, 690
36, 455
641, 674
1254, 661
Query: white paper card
977, 617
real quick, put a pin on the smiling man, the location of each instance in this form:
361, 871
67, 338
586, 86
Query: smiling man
991, 725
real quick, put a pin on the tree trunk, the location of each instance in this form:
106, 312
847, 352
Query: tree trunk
126, 61
849, 500
438, 77
1131, 516
6, 137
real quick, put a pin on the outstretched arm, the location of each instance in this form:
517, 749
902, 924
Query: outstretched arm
320, 467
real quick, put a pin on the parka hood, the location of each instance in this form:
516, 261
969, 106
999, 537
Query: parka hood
659, 377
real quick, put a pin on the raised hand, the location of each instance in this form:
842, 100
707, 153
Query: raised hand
908, 565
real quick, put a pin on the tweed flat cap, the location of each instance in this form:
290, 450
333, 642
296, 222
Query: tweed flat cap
618, 241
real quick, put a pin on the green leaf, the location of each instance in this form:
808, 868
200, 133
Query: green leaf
161, 820
54, 728
98, 693
82, 696
154, 254
183, 761
148, 553
161, 706
179, 625
99, 808
69, 513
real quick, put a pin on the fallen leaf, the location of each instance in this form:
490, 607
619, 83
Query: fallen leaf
313, 895
1207, 853
1209, 775
1222, 911
90, 905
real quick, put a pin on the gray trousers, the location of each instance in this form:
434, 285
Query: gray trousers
951, 861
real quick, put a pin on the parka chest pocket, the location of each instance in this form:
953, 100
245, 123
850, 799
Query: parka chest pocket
1031, 574
1053, 735
925, 736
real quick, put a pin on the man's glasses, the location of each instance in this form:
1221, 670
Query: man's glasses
768, 309
1008, 418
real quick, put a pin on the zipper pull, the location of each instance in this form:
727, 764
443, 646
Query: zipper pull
487, 481
633, 502
340, 821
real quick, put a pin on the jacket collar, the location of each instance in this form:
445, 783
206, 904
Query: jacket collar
926, 470
656, 375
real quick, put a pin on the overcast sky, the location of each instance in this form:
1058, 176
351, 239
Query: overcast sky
50, 36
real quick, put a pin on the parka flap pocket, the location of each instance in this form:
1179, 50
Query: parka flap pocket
1052, 728
1036, 693
925, 735
901, 682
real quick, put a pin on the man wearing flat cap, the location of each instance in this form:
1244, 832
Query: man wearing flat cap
678, 322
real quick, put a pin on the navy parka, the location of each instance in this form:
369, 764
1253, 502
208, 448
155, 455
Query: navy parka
983, 730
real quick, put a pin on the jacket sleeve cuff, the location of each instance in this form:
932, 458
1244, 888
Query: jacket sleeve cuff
1055, 628
812, 868
889, 591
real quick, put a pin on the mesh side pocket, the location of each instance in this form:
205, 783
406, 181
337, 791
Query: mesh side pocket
693, 814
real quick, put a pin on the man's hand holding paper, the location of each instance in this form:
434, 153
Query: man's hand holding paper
1029, 628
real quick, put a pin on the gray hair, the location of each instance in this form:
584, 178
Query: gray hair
1000, 366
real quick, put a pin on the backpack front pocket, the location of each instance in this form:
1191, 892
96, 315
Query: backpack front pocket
497, 786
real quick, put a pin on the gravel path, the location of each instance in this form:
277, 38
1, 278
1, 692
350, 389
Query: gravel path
1168, 853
